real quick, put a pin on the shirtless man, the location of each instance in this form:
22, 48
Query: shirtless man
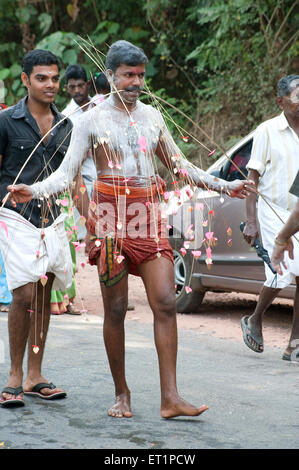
127, 135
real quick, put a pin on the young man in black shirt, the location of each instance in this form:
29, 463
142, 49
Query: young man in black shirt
33, 142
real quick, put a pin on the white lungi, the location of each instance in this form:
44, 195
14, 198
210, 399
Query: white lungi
24, 242
270, 226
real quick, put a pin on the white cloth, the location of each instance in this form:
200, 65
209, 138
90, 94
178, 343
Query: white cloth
275, 155
23, 243
98, 98
270, 225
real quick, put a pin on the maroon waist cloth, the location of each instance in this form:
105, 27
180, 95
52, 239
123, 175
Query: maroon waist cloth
125, 219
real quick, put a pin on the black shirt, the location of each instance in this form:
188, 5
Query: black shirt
295, 186
19, 134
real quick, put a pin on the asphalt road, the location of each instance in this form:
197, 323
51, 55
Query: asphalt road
253, 398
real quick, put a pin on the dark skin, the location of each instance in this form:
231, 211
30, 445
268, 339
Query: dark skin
42, 86
78, 88
290, 105
285, 242
157, 276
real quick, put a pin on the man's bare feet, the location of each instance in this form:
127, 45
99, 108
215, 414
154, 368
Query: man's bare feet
121, 407
179, 407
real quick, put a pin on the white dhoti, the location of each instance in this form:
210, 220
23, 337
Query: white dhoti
29, 252
270, 225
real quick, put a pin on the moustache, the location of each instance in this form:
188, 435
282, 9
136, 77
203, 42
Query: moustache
133, 88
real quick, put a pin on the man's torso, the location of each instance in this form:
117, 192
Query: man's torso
277, 149
125, 143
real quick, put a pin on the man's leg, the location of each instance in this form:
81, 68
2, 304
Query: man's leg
158, 278
115, 300
37, 336
294, 337
18, 329
255, 321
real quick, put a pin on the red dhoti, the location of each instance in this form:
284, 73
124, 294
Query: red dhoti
126, 221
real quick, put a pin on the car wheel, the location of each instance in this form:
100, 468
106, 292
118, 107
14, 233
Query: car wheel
183, 265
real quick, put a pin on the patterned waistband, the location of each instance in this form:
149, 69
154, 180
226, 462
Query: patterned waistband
119, 187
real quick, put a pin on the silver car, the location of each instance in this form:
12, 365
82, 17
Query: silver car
210, 253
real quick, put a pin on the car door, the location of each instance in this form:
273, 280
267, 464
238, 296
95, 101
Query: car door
231, 255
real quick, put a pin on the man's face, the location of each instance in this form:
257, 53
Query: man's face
43, 83
78, 90
129, 81
290, 103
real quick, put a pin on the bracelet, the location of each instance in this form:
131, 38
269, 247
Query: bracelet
279, 243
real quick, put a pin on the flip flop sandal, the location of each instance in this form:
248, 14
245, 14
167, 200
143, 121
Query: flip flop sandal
248, 333
36, 392
12, 402
4, 308
71, 310
288, 357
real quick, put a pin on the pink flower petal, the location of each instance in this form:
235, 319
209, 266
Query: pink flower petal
196, 253
142, 143
209, 235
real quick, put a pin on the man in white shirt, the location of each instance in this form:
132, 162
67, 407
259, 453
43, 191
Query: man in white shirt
273, 166
77, 87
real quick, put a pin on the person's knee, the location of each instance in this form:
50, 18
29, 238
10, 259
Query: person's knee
165, 304
116, 312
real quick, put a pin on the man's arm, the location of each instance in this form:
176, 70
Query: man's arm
171, 157
250, 230
283, 240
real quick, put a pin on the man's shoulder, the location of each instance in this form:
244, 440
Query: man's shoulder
6, 116
149, 109
8, 112
70, 107
272, 123
268, 127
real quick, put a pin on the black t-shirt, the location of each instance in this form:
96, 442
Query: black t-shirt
19, 135
295, 186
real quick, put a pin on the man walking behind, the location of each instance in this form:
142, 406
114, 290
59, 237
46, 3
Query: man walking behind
273, 166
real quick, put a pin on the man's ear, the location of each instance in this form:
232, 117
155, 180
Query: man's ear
25, 79
109, 74
279, 101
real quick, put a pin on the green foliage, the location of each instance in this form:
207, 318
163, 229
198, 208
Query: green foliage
249, 47
217, 61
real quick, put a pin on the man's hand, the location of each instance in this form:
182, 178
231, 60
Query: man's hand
241, 188
250, 232
19, 193
277, 257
